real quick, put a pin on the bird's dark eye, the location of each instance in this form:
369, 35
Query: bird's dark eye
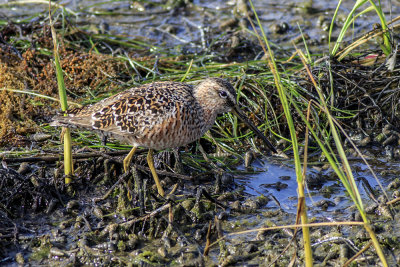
223, 94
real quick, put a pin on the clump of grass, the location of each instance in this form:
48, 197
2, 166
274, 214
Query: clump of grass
283, 96
340, 164
352, 16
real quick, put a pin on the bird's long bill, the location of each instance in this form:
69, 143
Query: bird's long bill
243, 117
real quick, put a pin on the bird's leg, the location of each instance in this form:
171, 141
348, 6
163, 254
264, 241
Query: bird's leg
150, 161
104, 140
103, 143
128, 158
178, 161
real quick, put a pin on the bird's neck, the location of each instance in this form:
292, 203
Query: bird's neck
206, 100
208, 104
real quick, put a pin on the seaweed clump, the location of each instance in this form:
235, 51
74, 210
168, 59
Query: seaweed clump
32, 71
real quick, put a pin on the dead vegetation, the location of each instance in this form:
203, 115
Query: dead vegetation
31, 70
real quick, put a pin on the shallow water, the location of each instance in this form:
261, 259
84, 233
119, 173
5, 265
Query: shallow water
164, 26
327, 188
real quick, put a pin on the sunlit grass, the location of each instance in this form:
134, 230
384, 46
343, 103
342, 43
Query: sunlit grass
352, 16
339, 162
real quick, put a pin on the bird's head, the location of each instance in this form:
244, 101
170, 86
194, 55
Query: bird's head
218, 95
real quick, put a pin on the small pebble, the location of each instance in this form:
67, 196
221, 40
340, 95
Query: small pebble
40, 137
365, 141
250, 248
235, 205
285, 177
223, 215
324, 204
98, 213
24, 168
232, 22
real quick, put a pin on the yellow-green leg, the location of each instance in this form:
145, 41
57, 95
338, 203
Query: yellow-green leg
150, 161
128, 158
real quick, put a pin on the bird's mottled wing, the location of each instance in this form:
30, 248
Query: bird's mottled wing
82, 117
138, 110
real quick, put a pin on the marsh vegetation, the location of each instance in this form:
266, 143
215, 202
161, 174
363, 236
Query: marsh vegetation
322, 86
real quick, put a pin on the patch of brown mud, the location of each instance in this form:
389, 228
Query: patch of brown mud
16, 109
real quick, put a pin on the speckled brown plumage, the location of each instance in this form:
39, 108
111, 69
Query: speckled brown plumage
158, 115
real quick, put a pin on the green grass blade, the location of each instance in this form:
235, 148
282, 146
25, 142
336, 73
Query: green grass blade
68, 167
346, 25
345, 174
386, 46
299, 173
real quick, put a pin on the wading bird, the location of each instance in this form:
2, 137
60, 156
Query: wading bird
158, 115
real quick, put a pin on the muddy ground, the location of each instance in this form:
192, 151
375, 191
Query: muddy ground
106, 217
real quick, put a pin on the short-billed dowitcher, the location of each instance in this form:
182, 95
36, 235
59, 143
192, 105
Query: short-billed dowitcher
158, 115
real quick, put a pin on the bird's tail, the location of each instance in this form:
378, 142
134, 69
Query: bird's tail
70, 122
